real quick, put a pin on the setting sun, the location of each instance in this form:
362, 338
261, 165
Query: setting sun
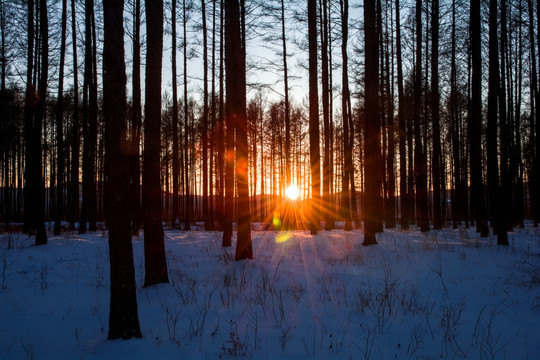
292, 192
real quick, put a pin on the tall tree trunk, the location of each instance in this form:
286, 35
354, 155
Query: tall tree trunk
41, 234
345, 102
221, 126
457, 195
74, 211
187, 194
496, 205
325, 205
475, 122
287, 104
154, 248
402, 130
29, 110
136, 124
204, 135
372, 221
236, 120
391, 201
123, 314
507, 213
517, 159
436, 160
60, 128
213, 132
537, 129
420, 162
88, 210
175, 164
230, 124
314, 152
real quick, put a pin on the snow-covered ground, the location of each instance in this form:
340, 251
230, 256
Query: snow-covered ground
445, 294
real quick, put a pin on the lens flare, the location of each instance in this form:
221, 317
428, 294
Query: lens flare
292, 192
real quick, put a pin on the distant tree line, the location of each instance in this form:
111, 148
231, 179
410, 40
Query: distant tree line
419, 112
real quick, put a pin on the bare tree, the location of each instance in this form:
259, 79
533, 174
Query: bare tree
372, 221
123, 314
154, 247
314, 152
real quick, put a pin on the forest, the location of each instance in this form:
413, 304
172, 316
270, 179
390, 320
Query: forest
226, 115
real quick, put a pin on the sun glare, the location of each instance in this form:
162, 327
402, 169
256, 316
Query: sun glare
292, 192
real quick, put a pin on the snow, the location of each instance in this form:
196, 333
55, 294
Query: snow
443, 294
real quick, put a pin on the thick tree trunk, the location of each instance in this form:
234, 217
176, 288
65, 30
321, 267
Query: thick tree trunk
123, 314
371, 129
154, 248
236, 119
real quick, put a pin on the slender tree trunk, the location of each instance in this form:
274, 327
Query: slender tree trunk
213, 132
436, 160
287, 105
204, 135
420, 163
230, 125
457, 195
475, 123
345, 100
505, 207
314, 152
325, 205
221, 126
123, 314
496, 205
371, 128
60, 128
41, 234
154, 247
136, 124
402, 130
74, 211
29, 110
187, 213
391, 201
175, 164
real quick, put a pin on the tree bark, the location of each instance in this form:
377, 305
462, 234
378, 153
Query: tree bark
372, 221
154, 247
136, 124
314, 152
475, 123
420, 162
123, 314
402, 130
175, 164
435, 103
74, 210
235, 66
187, 194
